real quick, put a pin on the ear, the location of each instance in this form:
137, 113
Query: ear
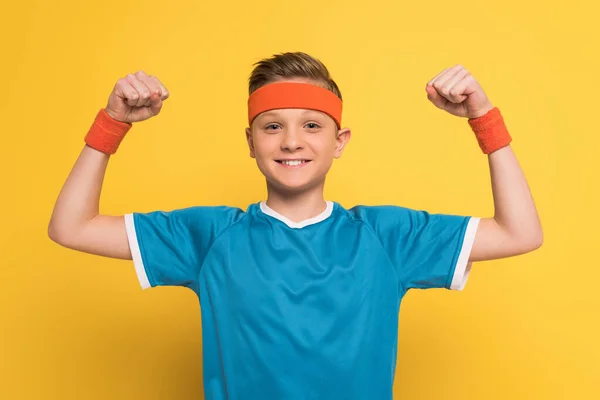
341, 140
250, 141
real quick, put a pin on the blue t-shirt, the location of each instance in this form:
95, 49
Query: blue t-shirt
300, 310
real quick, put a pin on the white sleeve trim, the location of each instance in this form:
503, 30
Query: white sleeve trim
463, 266
135, 252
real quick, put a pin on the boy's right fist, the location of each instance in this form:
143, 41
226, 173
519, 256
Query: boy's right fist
136, 97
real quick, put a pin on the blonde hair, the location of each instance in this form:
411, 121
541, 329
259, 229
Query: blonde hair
291, 65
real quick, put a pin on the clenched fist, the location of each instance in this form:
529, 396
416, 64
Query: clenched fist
136, 97
456, 91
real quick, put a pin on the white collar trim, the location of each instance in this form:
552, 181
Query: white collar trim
324, 215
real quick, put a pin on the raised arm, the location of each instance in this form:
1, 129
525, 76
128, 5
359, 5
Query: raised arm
76, 222
515, 227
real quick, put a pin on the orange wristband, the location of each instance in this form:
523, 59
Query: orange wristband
490, 130
106, 133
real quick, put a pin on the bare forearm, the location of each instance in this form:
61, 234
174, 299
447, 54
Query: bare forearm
76, 222
514, 208
79, 198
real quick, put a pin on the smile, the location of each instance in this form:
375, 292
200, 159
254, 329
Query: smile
293, 163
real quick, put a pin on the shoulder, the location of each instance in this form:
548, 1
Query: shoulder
208, 211
214, 218
380, 216
194, 212
368, 213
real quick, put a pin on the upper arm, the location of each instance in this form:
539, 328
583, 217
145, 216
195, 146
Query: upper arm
104, 235
493, 242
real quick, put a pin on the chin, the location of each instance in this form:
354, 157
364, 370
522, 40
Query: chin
294, 187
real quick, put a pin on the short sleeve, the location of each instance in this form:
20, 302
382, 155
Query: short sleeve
428, 250
168, 247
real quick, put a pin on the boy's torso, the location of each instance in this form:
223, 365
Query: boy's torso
307, 312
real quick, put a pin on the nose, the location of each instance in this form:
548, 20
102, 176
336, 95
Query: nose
291, 140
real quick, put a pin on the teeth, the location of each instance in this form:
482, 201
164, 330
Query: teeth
293, 163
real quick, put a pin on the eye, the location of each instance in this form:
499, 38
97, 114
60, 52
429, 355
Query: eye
271, 127
312, 125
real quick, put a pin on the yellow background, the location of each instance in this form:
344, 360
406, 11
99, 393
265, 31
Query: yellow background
76, 326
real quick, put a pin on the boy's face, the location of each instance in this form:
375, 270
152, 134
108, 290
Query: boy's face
294, 148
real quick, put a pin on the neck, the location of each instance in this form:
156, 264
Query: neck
299, 206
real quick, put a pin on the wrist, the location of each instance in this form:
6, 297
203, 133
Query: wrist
490, 130
110, 113
113, 115
482, 111
106, 133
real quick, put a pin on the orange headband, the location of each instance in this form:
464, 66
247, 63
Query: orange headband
294, 95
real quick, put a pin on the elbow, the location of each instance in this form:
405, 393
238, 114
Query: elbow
54, 233
536, 242
525, 238
537, 237
531, 241
522, 241
58, 234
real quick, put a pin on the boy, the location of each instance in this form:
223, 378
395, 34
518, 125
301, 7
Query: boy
299, 296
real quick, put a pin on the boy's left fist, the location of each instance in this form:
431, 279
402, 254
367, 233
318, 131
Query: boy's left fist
456, 91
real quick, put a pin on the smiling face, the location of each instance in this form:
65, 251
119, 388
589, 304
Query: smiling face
295, 148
